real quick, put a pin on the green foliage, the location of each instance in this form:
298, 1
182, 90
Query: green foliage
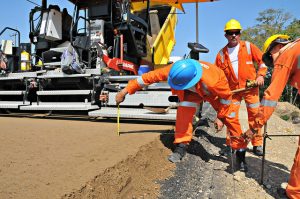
270, 22
285, 117
293, 29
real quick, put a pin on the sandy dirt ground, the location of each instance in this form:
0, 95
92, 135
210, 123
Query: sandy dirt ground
83, 159
54, 158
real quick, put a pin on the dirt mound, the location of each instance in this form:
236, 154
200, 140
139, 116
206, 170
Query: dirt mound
48, 158
137, 176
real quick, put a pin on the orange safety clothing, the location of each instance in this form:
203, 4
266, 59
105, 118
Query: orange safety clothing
248, 54
212, 87
293, 187
286, 68
252, 110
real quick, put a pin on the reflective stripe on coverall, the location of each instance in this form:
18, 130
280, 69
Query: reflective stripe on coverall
286, 67
248, 53
212, 87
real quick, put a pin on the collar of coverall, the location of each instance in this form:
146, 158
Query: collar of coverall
192, 89
284, 48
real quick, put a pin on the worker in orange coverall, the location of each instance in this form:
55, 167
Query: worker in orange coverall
237, 59
3, 61
284, 55
194, 82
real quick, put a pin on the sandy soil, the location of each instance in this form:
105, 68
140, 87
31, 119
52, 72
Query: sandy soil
54, 158
71, 158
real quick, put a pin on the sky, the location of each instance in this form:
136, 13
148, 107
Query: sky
212, 18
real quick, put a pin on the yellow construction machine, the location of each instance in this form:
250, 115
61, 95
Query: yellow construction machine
103, 44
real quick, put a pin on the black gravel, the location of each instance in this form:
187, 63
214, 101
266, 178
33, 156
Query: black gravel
201, 173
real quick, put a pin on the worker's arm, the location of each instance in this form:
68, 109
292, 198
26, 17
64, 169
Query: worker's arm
262, 68
218, 60
280, 78
143, 81
220, 96
147, 79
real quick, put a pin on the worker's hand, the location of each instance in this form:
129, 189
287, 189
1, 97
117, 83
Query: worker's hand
120, 97
33, 84
218, 124
2, 65
248, 135
260, 81
104, 96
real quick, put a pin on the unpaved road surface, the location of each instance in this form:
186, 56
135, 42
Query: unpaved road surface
51, 158
59, 158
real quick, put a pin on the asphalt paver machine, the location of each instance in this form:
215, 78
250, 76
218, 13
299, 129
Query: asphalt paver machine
96, 50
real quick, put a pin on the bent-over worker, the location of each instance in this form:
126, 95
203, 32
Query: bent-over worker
284, 56
194, 82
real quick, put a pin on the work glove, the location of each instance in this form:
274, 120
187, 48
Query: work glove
249, 134
218, 125
120, 97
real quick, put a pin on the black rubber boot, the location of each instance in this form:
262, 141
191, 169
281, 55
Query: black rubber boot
240, 160
258, 150
226, 151
282, 193
178, 153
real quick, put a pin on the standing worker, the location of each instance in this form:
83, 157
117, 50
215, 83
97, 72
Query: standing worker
283, 55
194, 82
237, 59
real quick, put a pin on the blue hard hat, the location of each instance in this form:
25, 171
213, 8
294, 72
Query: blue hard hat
184, 74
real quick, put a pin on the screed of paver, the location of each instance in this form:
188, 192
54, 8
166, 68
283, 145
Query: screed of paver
43, 158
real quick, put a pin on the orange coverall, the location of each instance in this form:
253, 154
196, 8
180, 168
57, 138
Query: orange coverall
248, 53
212, 87
286, 68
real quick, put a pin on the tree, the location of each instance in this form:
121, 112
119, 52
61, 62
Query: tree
293, 29
272, 22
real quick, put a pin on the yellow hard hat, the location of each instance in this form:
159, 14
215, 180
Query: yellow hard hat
278, 38
232, 24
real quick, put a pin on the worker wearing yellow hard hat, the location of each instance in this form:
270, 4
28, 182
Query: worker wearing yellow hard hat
237, 60
275, 39
284, 55
270, 43
232, 24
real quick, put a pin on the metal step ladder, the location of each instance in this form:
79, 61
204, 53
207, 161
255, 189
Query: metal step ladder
23, 79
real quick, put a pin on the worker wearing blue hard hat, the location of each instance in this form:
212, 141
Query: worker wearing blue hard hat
181, 80
193, 82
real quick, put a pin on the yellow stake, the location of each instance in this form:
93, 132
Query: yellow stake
118, 120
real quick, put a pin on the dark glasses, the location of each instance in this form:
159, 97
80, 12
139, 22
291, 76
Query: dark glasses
233, 33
